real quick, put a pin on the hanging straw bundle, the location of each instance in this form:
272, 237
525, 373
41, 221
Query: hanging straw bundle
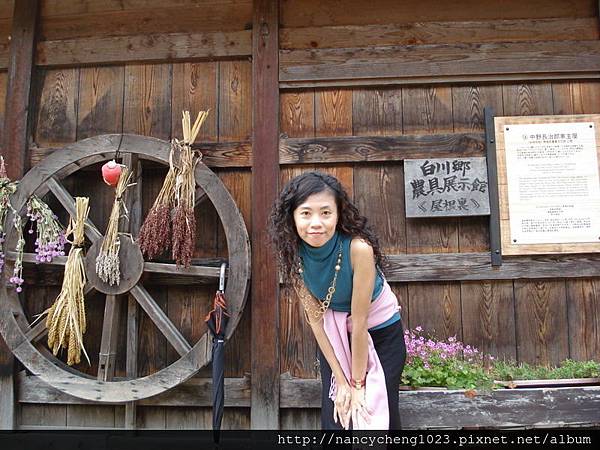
66, 321
184, 221
107, 261
155, 234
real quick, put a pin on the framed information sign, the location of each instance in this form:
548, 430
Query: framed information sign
548, 184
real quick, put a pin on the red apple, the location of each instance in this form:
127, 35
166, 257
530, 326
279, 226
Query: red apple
111, 171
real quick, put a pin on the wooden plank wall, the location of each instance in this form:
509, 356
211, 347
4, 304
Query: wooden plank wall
72, 103
116, 66
537, 321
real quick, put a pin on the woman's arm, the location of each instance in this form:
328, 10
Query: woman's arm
363, 265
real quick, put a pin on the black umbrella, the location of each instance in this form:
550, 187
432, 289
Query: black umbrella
216, 320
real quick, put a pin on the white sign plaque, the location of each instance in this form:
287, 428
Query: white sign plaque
553, 183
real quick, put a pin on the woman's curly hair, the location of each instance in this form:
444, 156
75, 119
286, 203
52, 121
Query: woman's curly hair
283, 229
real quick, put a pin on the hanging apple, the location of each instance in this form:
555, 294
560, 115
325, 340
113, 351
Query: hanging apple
111, 171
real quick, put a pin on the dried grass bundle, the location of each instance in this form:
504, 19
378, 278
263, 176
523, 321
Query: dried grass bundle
155, 234
107, 261
184, 221
66, 321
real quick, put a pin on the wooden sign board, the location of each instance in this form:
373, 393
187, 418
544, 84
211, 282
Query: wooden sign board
548, 184
446, 187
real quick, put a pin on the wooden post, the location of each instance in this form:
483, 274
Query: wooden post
20, 67
265, 178
14, 150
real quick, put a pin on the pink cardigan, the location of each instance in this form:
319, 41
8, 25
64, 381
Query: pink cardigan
337, 325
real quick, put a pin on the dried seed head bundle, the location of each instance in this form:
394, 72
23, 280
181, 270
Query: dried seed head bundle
184, 221
107, 261
66, 320
155, 234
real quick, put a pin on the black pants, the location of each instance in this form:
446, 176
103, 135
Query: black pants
391, 349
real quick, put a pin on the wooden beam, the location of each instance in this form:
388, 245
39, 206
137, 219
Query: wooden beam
453, 409
20, 68
214, 154
194, 392
447, 32
14, 150
265, 177
379, 148
143, 48
477, 266
439, 61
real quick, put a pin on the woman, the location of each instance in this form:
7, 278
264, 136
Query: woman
334, 261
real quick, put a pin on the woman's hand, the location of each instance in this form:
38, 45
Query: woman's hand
341, 405
358, 407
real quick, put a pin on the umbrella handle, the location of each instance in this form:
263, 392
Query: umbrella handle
222, 277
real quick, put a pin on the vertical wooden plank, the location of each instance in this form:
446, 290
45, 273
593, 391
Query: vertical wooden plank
300, 419
541, 321
333, 112
298, 344
236, 419
333, 117
467, 111
488, 317
100, 101
298, 348
91, 416
377, 112
583, 302
15, 150
44, 415
152, 417
297, 113
571, 97
56, 115
237, 355
540, 306
265, 177
147, 106
3, 87
379, 189
487, 307
152, 345
20, 70
188, 418
235, 100
195, 88
434, 306
583, 295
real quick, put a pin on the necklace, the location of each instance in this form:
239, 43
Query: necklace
318, 311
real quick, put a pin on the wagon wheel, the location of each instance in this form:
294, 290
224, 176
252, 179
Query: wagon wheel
20, 337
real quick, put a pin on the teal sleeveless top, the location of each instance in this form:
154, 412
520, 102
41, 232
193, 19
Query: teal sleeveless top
319, 268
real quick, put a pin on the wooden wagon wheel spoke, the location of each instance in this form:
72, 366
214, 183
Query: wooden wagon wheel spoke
68, 202
39, 330
201, 196
21, 338
108, 344
160, 319
171, 269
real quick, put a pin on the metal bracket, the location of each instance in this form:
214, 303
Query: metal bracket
492, 167
222, 277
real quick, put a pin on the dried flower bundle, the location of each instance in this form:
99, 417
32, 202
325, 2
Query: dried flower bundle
50, 237
155, 233
66, 320
184, 221
107, 261
7, 188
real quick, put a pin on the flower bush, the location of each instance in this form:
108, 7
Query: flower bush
451, 364
446, 363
